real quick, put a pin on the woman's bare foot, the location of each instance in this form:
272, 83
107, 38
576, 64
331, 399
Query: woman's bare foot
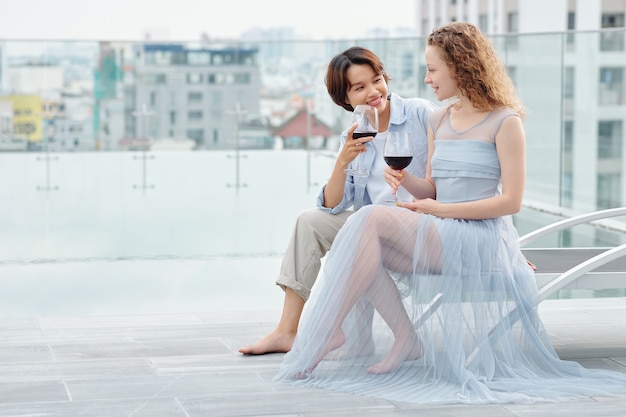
364, 346
277, 341
335, 342
402, 350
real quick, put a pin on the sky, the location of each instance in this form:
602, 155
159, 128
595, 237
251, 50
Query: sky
188, 19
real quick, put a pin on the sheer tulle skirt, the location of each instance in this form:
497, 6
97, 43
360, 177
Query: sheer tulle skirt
484, 341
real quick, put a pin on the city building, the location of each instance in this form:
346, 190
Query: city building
497, 17
51, 104
191, 92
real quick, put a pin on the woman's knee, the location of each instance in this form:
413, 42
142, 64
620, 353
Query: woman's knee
376, 215
312, 219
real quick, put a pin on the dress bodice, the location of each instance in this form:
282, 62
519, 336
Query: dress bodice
465, 170
465, 164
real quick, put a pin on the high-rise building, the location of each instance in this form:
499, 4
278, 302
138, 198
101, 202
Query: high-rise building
496, 17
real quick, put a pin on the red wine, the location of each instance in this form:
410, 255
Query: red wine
398, 162
357, 135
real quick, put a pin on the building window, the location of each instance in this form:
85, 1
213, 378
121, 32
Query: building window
568, 137
217, 78
612, 40
194, 97
194, 115
611, 88
196, 134
483, 23
242, 78
567, 164
513, 22
609, 189
566, 191
571, 25
154, 79
194, 78
512, 28
610, 139
614, 20
199, 58
162, 58
568, 82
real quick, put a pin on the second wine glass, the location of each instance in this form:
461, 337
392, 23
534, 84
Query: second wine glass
367, 119
398, 153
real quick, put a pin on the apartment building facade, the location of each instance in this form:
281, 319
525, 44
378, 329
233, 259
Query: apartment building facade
196, 93
148, 92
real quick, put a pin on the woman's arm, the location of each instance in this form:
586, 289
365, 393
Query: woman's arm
334, 190
418, 187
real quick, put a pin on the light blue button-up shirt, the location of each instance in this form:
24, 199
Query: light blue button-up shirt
407, 115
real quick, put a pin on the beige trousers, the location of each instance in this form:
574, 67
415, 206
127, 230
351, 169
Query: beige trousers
312, 236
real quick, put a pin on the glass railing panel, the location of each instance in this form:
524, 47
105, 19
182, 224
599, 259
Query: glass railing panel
85, 190
183, 204
536, 67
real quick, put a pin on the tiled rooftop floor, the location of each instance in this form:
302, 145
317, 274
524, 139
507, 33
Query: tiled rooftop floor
159, 338
187, 365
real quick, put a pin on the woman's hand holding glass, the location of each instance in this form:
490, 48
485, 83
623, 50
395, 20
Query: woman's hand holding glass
366, 119
398, 154
353, 147
394, 178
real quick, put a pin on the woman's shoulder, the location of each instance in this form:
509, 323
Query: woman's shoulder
498, 116
414, 103
505, 112
441, 111
437, 115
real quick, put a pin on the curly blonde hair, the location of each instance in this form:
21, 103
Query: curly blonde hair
480, 74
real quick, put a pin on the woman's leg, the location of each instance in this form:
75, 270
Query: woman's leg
282, 337
385, 297
387, 242
311, 239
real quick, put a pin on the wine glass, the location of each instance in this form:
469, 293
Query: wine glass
367, 118
398, 153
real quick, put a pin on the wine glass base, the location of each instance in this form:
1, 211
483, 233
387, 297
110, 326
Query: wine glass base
356, 173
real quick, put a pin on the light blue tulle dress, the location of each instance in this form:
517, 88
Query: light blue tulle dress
484, 343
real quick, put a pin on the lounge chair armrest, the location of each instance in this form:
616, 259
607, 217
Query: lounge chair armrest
572, 221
